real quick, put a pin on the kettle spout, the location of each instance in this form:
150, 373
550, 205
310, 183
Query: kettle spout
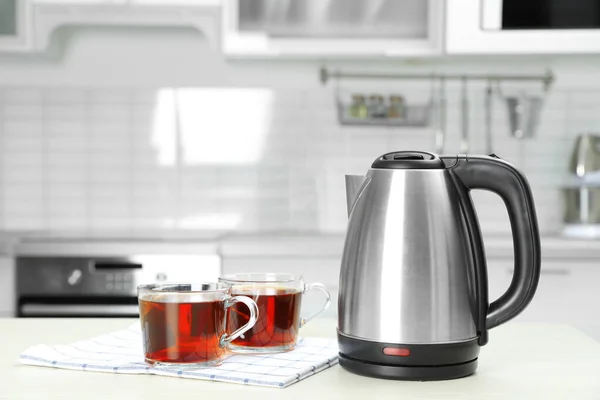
354, 183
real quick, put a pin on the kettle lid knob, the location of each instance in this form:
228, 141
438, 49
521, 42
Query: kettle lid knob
408, 160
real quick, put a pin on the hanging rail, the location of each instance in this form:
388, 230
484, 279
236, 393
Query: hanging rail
546, 78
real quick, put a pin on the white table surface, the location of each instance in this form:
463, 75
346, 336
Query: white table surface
522, 361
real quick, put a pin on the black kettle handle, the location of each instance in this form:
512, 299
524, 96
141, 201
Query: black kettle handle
500, 177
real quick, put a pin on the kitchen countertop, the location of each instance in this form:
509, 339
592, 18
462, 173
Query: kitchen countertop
522, 361
249, 244
331, 245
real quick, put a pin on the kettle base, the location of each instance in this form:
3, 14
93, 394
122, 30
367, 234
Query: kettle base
408, 373
419, 362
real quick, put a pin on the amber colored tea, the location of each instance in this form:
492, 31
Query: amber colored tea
278, 318
182, 332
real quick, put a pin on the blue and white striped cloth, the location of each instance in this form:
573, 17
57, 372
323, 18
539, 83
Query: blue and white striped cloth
121, 352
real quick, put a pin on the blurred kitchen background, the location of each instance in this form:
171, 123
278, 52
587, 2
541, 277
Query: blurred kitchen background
201, 135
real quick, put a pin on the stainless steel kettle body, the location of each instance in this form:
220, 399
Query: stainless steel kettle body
413, 301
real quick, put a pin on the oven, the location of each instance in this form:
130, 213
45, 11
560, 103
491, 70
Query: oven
76, 285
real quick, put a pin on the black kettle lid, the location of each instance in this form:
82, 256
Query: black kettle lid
408, 160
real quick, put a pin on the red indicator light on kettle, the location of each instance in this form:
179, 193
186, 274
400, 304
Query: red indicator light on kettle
396, 351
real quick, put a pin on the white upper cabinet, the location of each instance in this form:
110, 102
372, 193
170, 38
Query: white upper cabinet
37, 19
176, 2
15, 25
79, 2
134, 2
328, 28
522, 27
332, 28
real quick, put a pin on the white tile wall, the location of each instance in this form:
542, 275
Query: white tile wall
106, 159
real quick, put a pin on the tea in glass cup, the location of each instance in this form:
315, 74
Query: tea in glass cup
185, 324
279, 301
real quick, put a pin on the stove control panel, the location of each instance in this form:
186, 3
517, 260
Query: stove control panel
118, 276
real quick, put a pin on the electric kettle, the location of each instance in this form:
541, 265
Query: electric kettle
585, 158
413, 295
581, 189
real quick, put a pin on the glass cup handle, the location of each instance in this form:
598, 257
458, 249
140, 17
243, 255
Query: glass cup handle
252, 307
321, 287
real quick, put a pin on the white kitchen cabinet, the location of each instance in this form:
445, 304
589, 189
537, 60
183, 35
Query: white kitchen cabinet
15, 25
133, 2
203, 3
332, 28
80, 2
36, 20
7, 286
567, 293
472, 27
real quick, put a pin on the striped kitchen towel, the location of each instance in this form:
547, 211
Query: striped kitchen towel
121, 352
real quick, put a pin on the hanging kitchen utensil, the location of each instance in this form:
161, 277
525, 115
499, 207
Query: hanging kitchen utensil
464, 120
523, 113
440, 133
488, 119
